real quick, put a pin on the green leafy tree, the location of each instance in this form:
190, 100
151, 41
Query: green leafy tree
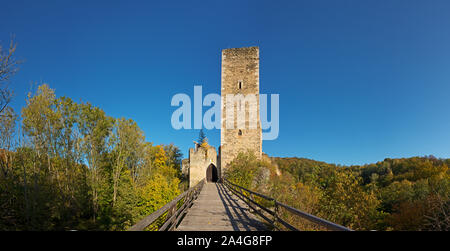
95, 128
174, 156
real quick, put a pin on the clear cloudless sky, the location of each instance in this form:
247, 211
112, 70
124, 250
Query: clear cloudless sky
358, 80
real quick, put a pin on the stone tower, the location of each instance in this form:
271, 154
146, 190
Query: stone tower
240, 75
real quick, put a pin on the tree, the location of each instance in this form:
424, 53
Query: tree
9, 213
201, 137
174, 156
39, 119
128, 141
345, 201
95, 128
156, 193
160, 157
8, 67
7, 131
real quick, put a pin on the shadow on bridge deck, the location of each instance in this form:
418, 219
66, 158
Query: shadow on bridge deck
217, 209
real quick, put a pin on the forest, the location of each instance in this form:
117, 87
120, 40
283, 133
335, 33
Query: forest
390, 195
69, 166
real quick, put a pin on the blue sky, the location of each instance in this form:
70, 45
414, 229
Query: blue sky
359, 81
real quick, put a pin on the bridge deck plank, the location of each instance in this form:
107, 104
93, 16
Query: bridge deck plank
217, 209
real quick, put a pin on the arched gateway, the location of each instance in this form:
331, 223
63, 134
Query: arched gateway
211, 173
202, 164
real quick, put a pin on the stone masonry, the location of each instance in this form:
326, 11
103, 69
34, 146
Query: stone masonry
240, 75
200, 158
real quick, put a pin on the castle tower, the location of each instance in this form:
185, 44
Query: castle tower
240, 78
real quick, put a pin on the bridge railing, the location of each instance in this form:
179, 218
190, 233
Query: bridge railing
170, 215
274, 218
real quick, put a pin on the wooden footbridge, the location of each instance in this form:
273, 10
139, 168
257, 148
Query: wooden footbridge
225, 206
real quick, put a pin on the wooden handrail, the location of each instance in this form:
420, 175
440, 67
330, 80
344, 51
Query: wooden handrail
172, 211
322, 222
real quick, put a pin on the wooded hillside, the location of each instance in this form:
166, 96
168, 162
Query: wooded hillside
393, 194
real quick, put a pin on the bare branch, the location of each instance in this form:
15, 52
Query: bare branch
8, 67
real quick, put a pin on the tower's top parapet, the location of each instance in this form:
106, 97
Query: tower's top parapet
240, 52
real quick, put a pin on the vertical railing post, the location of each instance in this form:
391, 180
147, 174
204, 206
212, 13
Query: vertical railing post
190, 197
252, 198
171, 213
275, 215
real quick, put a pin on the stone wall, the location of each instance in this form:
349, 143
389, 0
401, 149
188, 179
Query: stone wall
240, 75
199, 160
